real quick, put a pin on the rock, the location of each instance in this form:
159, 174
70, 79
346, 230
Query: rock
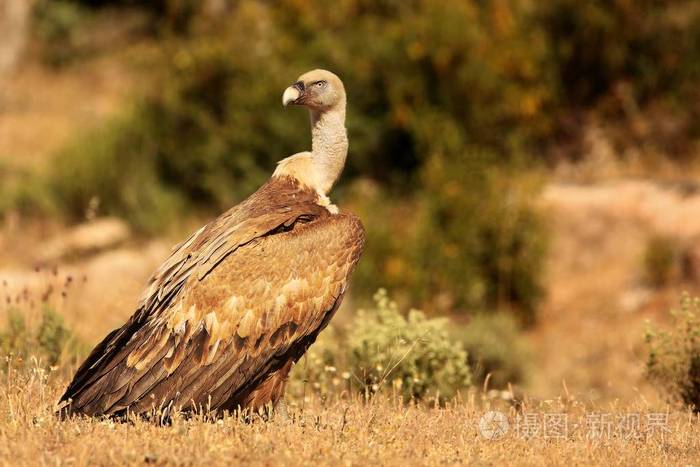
86, 239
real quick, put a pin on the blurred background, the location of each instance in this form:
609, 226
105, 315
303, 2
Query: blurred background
525, 169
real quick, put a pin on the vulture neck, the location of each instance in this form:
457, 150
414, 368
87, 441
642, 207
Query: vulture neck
329, 145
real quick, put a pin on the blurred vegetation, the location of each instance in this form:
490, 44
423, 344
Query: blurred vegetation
110, 171
661, 260
650, 47
59, 27
387, 351
452, 105
166, 16
50, 342
673, 363
634, 63
495, 347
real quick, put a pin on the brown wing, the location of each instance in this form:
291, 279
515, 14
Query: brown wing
219, 315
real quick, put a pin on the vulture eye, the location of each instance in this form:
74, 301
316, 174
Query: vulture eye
320, 84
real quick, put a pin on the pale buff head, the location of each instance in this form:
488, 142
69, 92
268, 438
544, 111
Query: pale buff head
319, 90
323, 94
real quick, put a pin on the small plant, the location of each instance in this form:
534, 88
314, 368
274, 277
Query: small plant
412, 353
51, 342
15, 339
673, 363
660, 260
323, 368
53, 337
495, 347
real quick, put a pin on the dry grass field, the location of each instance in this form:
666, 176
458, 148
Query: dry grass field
348, 431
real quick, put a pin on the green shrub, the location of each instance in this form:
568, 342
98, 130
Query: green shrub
673, 363
51, 342
15, 338
412, 354
53, 337
471, 238
495, 347
25, 192
385, 351
388, 257
661, 259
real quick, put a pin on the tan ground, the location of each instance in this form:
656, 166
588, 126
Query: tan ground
589, 337
40, 110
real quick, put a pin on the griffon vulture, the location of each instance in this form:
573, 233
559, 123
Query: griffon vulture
226, 316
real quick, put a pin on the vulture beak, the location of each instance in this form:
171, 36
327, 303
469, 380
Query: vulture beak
293, 94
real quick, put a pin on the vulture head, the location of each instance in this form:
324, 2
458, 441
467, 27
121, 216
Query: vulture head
318, 90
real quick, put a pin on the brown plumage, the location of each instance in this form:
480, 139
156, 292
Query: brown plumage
225, 317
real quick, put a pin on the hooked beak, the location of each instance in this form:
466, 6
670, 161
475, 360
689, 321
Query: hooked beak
293, 94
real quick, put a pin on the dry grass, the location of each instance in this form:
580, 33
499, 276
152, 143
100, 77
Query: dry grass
342, 431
